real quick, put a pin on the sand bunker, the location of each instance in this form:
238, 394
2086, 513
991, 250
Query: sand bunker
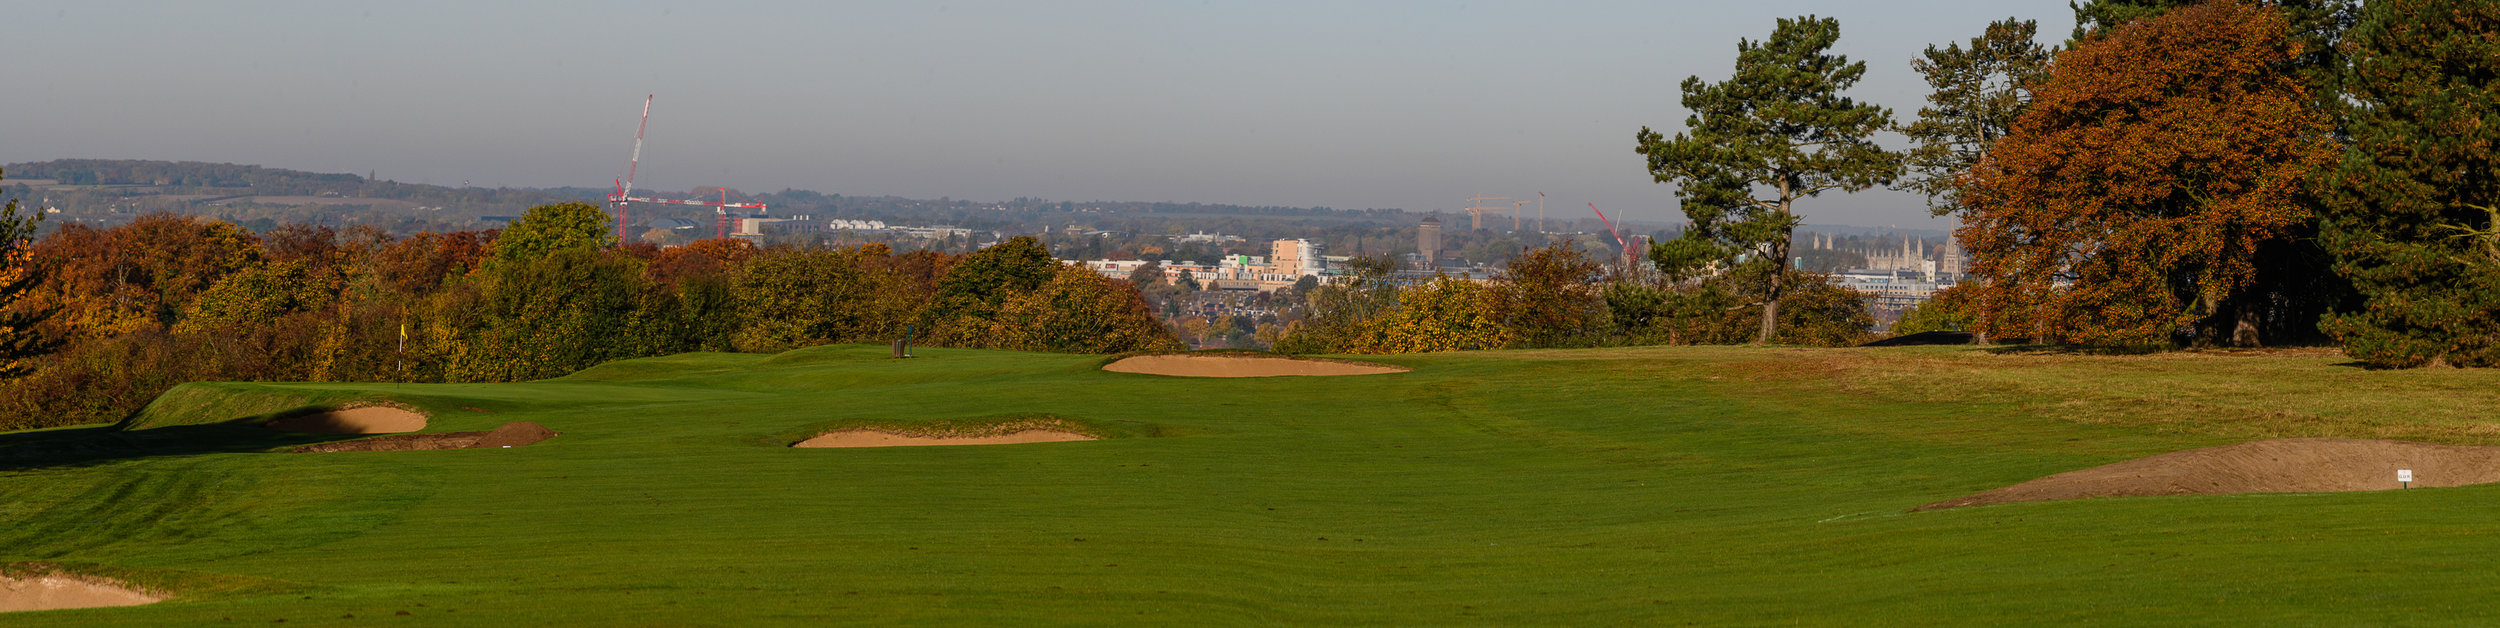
365, 420
1241, 365
512, 434
50, 592
873, 438
2291, 465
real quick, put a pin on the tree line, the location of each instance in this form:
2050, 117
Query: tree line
99, 321
1558, 296
2218, 173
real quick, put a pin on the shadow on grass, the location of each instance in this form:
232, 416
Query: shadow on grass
100, 444
2366, 366
2076, 350
2281, 350
1926, 338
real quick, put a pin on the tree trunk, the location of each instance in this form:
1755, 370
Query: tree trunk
2244, 332
1779, 276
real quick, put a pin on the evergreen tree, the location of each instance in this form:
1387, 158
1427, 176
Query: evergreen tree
1778, 125
2410, 211
1979, 92
2098, 16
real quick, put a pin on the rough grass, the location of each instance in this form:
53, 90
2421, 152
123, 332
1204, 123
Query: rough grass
1619, 486
2231, 396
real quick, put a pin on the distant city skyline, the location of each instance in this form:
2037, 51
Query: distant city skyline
1411, 106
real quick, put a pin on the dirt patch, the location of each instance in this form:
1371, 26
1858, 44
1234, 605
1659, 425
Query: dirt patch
398, 442
512, 434
1236, 365
874, 438
515, 434
58, 591
2290, 465
365, 420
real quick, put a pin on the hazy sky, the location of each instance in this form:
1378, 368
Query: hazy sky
1342, 104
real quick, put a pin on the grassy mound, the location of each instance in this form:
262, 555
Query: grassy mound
1620, 486
203, 403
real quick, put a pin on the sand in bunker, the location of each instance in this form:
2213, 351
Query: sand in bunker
873, 438
2290, 465
1219, 365
43, 593
365, 420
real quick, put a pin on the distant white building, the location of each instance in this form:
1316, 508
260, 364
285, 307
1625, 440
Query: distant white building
1900, 279
750, 227
1113, 268
1288, 262
934, 233
1209, 238
1895, 291
1947, 260
675, 224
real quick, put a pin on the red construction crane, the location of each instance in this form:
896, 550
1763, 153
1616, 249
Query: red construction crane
720, 207
624, 193
1610, 228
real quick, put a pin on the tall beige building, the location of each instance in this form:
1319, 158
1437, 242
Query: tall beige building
1428, 241
1293, 259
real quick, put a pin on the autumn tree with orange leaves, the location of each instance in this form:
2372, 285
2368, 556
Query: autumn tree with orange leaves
2130, 202
135, 310
20, 342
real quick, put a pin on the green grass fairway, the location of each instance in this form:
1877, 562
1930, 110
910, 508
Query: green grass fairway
1632, 486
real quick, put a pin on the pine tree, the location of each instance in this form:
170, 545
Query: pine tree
1979, 91
1779, 125
2410, 211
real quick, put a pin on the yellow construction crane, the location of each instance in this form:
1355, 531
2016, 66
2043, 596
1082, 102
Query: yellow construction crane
1514, 214
1476, 209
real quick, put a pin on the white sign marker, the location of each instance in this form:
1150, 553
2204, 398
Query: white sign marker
2405, 477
